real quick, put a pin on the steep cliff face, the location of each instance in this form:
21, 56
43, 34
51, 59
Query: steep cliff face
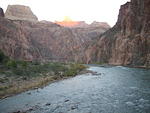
12, 41
29, 40
128, 42
1, 12
20, 12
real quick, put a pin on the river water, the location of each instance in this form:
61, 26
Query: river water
114, 89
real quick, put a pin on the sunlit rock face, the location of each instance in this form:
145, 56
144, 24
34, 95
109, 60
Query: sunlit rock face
46, 41
1, 12
67, 22
72, 23
128, 42
20, 12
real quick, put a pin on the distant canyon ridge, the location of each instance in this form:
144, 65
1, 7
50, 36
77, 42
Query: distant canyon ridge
23, 37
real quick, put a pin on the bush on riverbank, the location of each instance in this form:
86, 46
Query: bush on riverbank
23, 68
17, 76
31, 69
74, 69
3, 58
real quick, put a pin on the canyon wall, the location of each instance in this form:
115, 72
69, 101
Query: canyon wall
33, 40
128, 42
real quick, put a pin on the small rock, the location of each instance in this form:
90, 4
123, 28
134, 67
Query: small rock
26, 104
48, 104
29, 93
37, 91
24, 78
31, 109
66, 100
73, 107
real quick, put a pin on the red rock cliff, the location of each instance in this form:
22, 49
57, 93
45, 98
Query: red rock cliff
34, 40
128, 42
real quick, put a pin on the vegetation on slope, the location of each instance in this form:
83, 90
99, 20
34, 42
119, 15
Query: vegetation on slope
17, 76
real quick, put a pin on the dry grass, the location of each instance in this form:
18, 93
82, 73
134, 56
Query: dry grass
18, 76
10, 85
24, 85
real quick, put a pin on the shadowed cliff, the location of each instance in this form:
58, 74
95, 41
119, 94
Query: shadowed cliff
128, 42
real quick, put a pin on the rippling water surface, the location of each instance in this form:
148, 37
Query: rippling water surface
109, 90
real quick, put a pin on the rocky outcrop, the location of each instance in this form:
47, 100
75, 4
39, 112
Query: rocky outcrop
97, 24
20, 12
45, 40
82, 24
1, 12
128, 42
42, 41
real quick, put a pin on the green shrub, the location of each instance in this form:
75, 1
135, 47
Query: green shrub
78, 67
22, 63
30, 69
35, 63
74, 69
3, 57
70, 72
100, 63
56, 67
18, 71
11, 64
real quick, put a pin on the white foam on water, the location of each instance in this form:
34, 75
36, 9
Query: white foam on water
134, 88
130, 103
143, 100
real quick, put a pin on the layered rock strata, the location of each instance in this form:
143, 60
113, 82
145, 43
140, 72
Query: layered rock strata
29, 40
20, 12
128, 42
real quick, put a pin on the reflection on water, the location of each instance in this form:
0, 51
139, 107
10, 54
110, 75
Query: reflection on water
109, 90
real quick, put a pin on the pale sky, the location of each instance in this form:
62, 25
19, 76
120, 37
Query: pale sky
77, 10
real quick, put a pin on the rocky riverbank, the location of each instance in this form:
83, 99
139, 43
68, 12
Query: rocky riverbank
12, 81
109, 89
19, 76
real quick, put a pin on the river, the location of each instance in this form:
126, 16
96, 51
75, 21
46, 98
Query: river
111, 89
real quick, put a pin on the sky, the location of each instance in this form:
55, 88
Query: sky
77, 10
